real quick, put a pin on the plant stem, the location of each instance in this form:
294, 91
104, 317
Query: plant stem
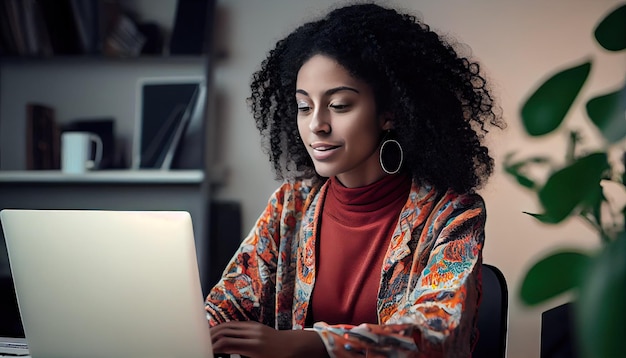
570, 153
597, 227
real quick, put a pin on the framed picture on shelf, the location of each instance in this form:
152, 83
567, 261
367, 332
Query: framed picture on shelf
169, 126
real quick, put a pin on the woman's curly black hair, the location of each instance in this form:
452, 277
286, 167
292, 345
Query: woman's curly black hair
439, 101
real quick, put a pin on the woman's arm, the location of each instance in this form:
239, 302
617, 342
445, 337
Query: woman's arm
253, 339
246, 289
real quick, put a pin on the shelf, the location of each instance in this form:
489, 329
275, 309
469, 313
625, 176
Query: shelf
71, 59
105, 176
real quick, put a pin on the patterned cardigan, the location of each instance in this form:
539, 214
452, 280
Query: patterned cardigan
430, 282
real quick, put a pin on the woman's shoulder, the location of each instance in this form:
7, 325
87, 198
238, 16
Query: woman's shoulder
297, 191
469, 199
423, 193
461, 206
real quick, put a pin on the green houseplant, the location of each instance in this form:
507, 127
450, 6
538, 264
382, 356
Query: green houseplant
574, 188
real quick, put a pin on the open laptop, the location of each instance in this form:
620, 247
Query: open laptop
107, 283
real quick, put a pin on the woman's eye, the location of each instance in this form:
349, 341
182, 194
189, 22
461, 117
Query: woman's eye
303, 106
339, 107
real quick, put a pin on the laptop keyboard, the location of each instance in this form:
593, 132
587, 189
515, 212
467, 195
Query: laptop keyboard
13, 349
13, 345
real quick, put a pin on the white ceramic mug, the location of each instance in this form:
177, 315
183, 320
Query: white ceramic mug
76, 153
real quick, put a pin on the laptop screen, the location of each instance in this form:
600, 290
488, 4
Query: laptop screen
10, 324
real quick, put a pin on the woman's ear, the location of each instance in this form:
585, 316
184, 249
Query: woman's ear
387, 121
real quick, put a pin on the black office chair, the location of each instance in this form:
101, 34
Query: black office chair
493, 314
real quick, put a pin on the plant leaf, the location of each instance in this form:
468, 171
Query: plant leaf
607, 113
545, 109
523, 180
601, 306
611, 31
544, 218
516, 169
553, 275
570, 186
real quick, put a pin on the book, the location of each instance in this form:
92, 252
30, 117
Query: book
192, 24
7, 40
16, 26
87, 17
27, 9
42, 138
61, 27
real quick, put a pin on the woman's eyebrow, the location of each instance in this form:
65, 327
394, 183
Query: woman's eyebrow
303, 92
341, 88
330, 91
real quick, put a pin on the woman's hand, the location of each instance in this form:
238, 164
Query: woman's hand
256, 340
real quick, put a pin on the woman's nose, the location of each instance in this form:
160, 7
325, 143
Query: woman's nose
319, 122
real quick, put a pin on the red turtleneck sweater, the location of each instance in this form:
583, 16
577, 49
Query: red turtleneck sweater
356, 228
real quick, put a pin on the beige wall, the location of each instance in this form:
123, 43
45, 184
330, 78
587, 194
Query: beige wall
518, 42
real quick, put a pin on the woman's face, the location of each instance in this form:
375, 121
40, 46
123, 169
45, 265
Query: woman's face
338, 123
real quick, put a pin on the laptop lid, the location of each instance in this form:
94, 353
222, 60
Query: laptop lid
107, 283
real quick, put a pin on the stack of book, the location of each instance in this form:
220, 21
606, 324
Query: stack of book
42, 28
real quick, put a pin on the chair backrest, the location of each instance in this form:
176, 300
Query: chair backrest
493, 314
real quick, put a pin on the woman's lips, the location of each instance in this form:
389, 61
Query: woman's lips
322, 151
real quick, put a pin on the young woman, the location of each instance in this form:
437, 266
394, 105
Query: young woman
373, 244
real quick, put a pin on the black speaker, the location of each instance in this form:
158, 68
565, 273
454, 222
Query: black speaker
192, 27
557, 332
225, 236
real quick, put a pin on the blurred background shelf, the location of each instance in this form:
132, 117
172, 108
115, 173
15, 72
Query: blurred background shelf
95, 59
86, 61
104, 176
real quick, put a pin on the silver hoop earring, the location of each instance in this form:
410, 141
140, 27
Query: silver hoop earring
386, 155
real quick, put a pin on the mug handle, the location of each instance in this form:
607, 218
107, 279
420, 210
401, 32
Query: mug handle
94, 164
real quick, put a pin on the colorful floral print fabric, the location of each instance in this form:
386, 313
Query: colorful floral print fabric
430, 279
